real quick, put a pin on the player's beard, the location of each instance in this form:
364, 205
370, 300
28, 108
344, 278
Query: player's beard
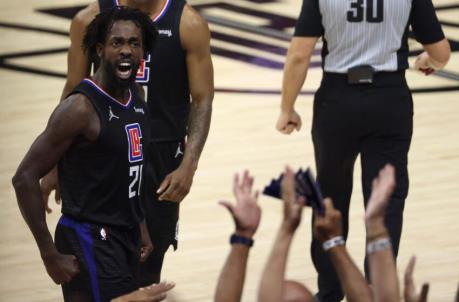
111, 71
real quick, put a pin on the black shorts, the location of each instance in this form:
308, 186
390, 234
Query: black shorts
162, 216
108, 258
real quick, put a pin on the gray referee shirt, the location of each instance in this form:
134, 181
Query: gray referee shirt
367, 32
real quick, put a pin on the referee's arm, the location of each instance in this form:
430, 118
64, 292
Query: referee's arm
429, 33
308, 30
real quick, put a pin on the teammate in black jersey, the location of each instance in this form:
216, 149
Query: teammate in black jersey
179, 67
98, 136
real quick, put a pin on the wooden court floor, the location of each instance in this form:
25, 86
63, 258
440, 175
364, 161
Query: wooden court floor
247, 75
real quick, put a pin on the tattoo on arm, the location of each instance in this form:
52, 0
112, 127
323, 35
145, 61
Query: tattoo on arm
198, 128
195, 36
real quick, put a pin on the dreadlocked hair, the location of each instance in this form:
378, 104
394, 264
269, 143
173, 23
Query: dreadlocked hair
98, 29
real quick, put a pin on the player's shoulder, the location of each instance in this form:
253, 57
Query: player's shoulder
73, 116
87, 14
77, 105
192, 20
193, 27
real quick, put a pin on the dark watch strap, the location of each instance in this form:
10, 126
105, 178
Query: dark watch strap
237, 239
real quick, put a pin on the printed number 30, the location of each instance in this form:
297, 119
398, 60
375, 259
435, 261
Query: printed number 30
136, 171
374, 11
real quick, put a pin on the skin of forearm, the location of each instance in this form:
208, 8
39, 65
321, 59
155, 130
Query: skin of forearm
198, 129
28, 194
382, 268
231, 281
271, 285
354, 284
436, 64
439, 53
295, 71
375, 226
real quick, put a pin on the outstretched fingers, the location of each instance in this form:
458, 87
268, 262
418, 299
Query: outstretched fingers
228, 205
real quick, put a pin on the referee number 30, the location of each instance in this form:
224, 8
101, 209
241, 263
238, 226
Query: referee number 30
374, 11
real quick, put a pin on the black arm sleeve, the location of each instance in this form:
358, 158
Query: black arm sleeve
310, 21
424, 22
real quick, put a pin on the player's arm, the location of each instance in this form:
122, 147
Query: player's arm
146, 246
195, 38
246, 214
427, 30
78, 67
381, 260
328, 227
308, 30
273, 278
69, 121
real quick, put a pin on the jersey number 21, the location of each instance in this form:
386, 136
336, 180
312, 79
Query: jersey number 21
374, 12
136, 183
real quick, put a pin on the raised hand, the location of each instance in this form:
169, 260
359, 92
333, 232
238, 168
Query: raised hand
293, 205
410, 289
246, 213
329, 225
382, 188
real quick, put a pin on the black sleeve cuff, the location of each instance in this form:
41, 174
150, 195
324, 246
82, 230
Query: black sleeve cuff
309, 23
424, 22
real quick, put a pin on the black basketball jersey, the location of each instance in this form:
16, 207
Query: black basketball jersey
164, 75
102, 182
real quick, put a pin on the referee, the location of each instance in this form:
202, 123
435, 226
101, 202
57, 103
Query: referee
363, 105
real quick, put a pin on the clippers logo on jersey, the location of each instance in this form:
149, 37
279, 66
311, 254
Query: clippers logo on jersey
143, 74
135, 146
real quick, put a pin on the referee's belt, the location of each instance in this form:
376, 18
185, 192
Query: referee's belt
365, 77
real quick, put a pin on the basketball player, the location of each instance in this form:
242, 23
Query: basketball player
97, 136
363, 106
179, 66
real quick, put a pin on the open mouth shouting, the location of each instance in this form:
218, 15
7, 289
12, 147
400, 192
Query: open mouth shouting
124, 70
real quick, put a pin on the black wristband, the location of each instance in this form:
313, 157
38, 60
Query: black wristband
238, 239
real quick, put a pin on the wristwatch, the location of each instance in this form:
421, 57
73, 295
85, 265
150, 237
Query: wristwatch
238, 239
331, 243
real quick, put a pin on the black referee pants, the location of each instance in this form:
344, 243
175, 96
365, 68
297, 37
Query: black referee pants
375, 121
